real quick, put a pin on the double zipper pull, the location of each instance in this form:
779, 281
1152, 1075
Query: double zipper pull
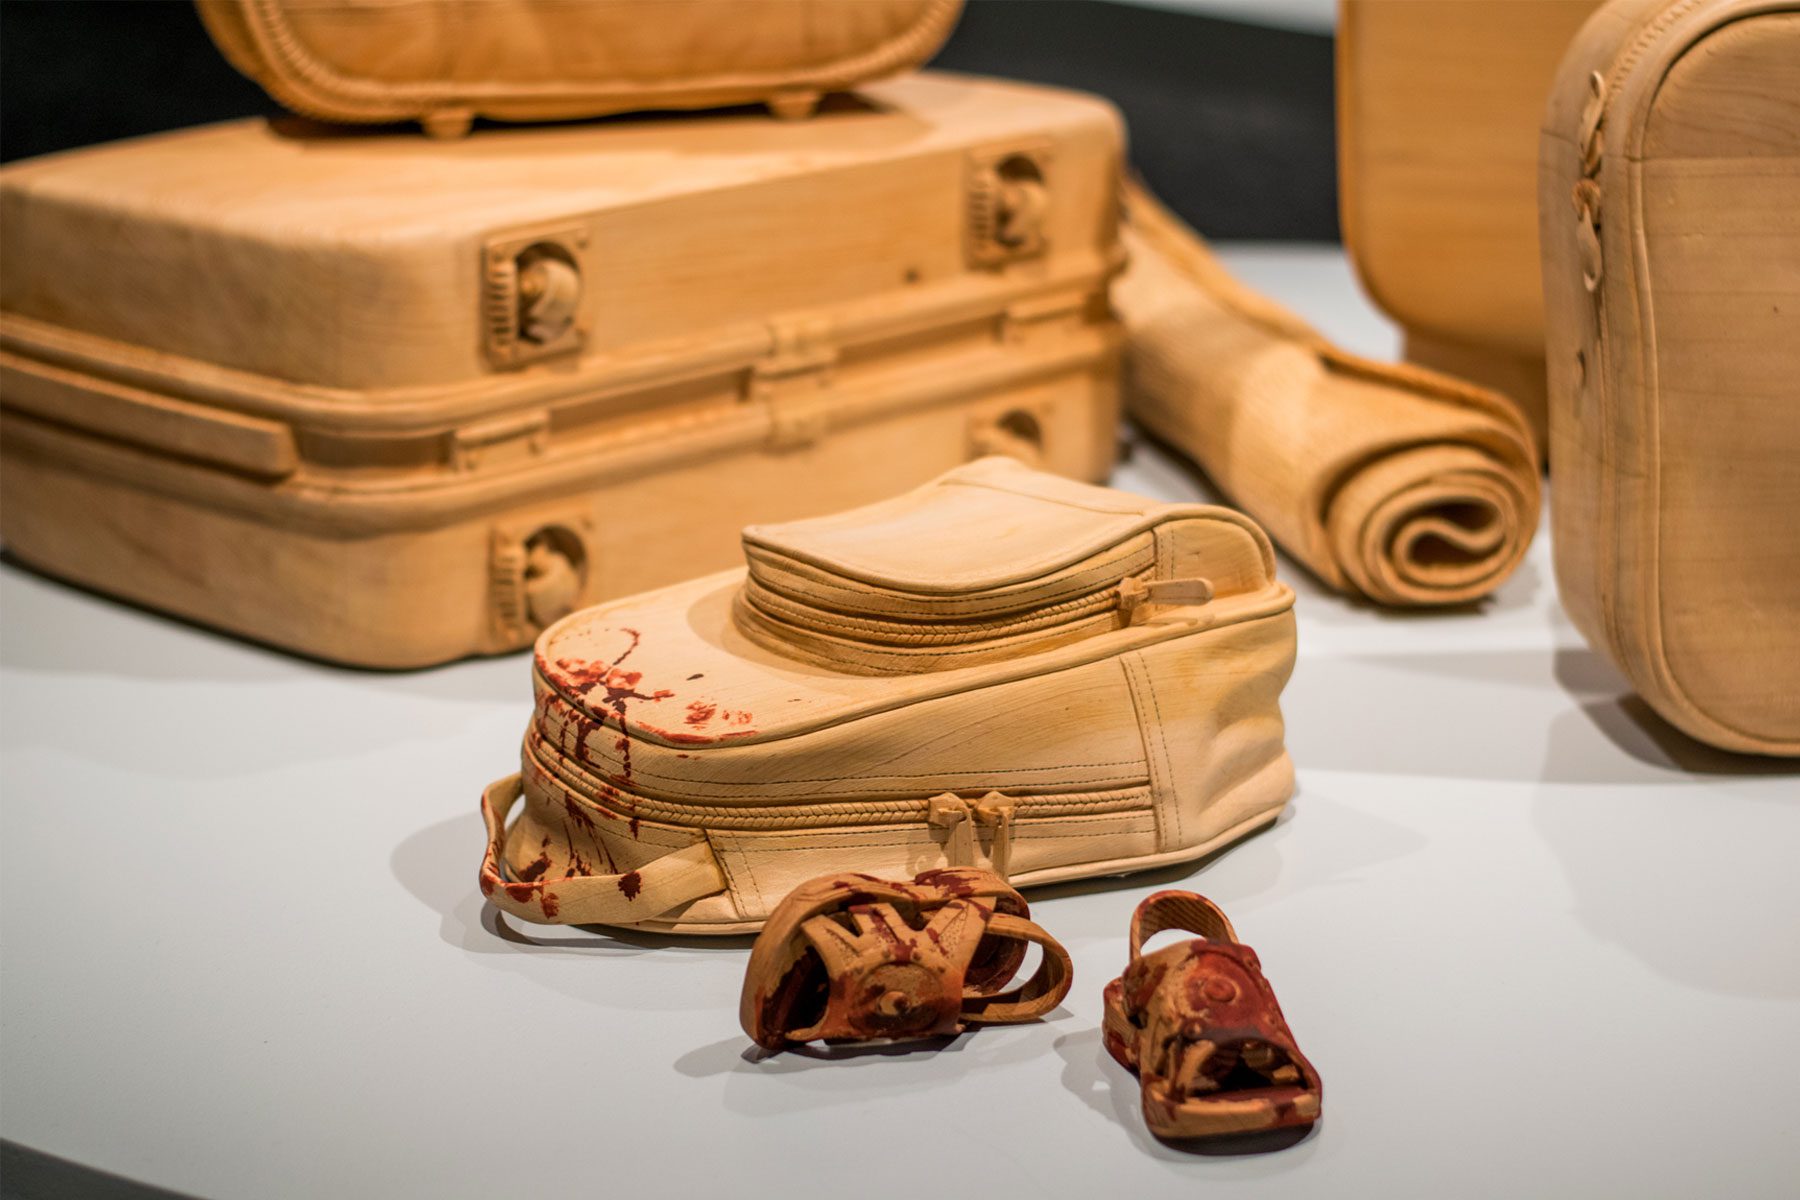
1137, 595
950, 811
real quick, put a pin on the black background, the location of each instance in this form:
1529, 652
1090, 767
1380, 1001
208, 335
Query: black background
1232, 123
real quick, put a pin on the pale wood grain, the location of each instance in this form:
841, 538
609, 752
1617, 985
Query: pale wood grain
254, 376
445, 63
669, 720
1675, 379
1438, 109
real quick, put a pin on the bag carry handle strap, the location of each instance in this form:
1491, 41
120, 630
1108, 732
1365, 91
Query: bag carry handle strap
1037, 995
623, 899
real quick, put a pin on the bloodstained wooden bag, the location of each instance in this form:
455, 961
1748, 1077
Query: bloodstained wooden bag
1002, 669
392, 401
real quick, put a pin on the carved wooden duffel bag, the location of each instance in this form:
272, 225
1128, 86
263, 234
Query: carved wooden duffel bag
445, 62
1001, 669
1671, 233
392, 401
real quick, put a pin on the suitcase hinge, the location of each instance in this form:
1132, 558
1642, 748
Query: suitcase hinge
1050, 312
795, 381
511, 438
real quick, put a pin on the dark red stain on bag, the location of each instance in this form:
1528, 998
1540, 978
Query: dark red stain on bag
550, 905
534, 870
578, 813
691, 678
699, 712
631, 883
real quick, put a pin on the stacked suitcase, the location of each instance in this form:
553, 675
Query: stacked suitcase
392, 400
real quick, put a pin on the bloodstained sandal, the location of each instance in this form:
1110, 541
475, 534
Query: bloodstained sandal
1199, 1025
852, 957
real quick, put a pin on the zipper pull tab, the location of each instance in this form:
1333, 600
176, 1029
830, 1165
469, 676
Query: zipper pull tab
1137, 595
996, 811
962, 847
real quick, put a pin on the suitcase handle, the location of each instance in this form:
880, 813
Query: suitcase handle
624, 899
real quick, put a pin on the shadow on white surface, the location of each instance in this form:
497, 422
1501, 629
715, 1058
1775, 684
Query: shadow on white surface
1633, 728
759, 1085
56, 627
1528, 715
1107, 1088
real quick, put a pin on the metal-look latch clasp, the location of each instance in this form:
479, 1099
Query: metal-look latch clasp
959, 816
1136, 596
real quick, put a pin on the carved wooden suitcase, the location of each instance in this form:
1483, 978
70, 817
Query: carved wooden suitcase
391, 401
1439, 103
1671, 232
1001, 669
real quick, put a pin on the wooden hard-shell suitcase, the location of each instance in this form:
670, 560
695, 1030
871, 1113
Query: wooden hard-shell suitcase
1671, 234
1438, 110
391, 401
1001, 669
444, 62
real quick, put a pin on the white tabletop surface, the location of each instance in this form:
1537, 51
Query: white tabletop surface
1536, 944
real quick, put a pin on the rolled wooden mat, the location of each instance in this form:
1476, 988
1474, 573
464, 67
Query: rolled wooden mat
1401, 484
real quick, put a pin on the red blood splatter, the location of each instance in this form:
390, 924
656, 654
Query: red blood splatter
700, 712
631, 883
578, 812
535, 869
550, 905
947, 879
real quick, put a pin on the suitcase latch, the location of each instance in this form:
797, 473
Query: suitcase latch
1009, 204
536, 576
512, 438
531, 294
1053, 313
795, 380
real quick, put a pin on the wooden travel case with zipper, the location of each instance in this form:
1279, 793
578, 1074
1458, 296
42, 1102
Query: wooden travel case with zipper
1671, 232
1001, 669
391, 401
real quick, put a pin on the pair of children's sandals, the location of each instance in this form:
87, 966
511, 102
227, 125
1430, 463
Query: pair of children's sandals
855, 958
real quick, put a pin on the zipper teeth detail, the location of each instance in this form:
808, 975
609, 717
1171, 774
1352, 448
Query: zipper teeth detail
948, 631
579, 786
